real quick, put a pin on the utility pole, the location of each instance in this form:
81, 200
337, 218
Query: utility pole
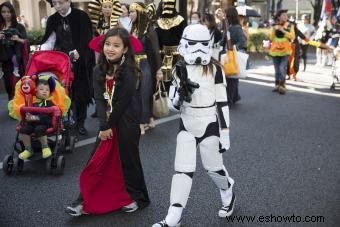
297, 10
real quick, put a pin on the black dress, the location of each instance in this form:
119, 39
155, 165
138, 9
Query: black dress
125, 117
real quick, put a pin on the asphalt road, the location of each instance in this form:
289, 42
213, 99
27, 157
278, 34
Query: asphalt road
284, 158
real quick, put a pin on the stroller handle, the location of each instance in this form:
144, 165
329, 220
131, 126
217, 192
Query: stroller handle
55, 111
40, 110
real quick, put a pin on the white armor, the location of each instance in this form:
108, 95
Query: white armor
196, 45
203, 120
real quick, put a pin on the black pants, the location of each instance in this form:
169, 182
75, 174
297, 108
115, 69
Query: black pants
7, 68
79, 109
38, 129
304, 50
232, 90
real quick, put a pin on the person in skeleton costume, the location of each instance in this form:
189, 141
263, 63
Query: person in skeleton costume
169, 30
199, 92
104, 15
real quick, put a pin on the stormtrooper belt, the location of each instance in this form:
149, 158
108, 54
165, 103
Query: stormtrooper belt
199, 111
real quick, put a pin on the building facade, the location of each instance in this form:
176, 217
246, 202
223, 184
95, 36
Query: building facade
35, 10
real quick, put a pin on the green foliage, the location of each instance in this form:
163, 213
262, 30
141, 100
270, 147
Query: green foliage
35, 36
255, 41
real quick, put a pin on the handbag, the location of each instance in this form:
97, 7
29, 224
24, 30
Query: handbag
160, 106
241, 59
230, 63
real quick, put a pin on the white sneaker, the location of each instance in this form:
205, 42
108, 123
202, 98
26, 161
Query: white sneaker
75, 211
132, 207
227, 210
164, 224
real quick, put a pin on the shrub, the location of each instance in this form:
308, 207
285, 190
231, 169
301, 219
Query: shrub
255, 41
35, 36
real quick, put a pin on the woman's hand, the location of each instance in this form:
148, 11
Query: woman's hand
159, 75
105, 135
2, 35
76, 55
17, 38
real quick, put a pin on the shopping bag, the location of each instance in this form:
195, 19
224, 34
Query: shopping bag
160, 106
241, 59
230, 63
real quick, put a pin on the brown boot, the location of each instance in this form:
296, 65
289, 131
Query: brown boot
276, 88
282, 88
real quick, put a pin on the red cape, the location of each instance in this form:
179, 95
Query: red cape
102, 184
95, 44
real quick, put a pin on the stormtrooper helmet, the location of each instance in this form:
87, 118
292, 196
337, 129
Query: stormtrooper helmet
196, 45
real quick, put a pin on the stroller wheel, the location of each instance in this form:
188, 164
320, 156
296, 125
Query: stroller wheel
19, 165
50, 165
8, 164
60, 165
72, 143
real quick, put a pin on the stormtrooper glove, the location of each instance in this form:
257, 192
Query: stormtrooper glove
224, 140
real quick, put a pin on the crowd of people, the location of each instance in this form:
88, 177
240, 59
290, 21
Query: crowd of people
119, 53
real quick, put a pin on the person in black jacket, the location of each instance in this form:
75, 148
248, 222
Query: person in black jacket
12, 52
69, 30
117, 99
238, 39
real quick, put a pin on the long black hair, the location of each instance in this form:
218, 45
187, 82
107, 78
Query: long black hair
14, 21
232, 16
106, 66
141, 23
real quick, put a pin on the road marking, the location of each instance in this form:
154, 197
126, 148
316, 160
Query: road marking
92, 140
311, 88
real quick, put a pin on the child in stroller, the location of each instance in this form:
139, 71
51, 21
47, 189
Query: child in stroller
38, 123
50, 71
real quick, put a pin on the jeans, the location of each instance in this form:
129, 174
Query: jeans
280, 66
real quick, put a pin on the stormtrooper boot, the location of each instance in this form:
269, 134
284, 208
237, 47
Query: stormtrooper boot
228, 200
173, 219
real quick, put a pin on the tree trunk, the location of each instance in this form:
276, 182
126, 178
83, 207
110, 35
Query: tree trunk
317, 6
279, 5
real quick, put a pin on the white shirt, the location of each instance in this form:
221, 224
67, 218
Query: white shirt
306, 29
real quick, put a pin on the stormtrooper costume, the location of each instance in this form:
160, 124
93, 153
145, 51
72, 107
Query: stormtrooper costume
204, 123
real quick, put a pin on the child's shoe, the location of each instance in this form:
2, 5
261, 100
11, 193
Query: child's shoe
25, 155
46, 152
